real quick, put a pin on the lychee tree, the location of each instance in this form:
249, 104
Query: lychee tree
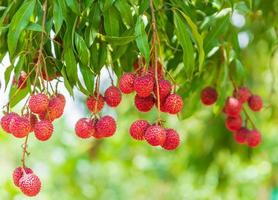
171, 54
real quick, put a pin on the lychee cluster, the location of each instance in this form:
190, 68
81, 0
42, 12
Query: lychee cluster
233, 109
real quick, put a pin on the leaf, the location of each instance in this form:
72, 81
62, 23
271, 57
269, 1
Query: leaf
88, 78
34, 27
92, 30
102, 56
125, 11
57, 17
144, 5
82, 49
8, 75
16, 95
18, 24
142, 39
73, 4
118, 41
95, 55
111, 22
66, 81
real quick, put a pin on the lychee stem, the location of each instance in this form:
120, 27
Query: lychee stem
110, 76
24, 151
97, 91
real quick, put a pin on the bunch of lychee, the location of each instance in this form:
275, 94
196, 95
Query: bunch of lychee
233, 108
104, 126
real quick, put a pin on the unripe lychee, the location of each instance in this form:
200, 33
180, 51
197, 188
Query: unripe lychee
209, 96
155, 135
165, 88
232, 107
173, 104
144, 104
172, 140
84, 128
126, 83
95, 103
143, 85
254, 138
20, 126
113, 96
138, 128
6, 120
106, 126
38, 103
242, 94
22, 80
18, 173
240, 135
30, 184
233, 123
255, 103
43, 130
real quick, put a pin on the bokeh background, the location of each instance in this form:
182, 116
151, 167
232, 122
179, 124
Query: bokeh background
207, 165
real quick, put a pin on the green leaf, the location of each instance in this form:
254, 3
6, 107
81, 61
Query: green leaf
125, 11
95, 55
34, 27
92, 29
142, 39
111, 22
57, 17
118, 41
73, 4
7, 75
102, 56
66, 81
88, 78
16, 95
19, 22
82, 49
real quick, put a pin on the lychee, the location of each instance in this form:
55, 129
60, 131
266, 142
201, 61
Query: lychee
30, 184
144, 104
113, 96
38, 103
18, 173
95, 103
155, 135
165, 88
6, 120
55, 108
173, 104
232, 107
84, 128
209, 96
22, 80
32, 119
172, 140
143, 85
255, 103
254, 138
242, 94
126, 83
20, 126
106, 126
241, 135
233, 123
43, 130
160, 73
138, 128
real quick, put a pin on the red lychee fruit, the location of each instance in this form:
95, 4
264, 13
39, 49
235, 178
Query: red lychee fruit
30, 184
38, 103
18, 173
138, 65
143, 85
106, 126
32, 119
232, 107
242, 94
55, 108
138, 128
126, 83
6, 120
144, 104
113, 96
95, 103
233, 123
22, 80
20, 126
240, 135
155, 135
209, 96
255, 103
173, 104
254, 138
165, 88
43, 130
84, 128
172, 140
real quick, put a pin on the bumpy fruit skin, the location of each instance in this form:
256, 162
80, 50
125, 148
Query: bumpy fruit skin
255, 103
30, 184
165, 88
126, 83
232, 107
18, 173
254, 138
144, 104
172, 140
240, 135
84, 128
32, 119
173, 104
113, 96
20, 126
242, 94
92, 101
233, 123
22, 82
6, 120
155, 135
143, 85
160, 73
38, 103
138, 128
106, 126
43, 130
209, 96
55, 108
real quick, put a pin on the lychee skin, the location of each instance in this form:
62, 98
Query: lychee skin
92, 101
126, 83
173, 104
113, 96
172, 140
255, 103
160, 72
6, 120
253, 139
138, 128
232, 107
55, 108
242, 94
233, 123
38, 103
32, 119
84, 128
43, 130
155, 135
18, 173
209, 96
144, 104
240, 135
22, 82
30, 184
143, 85
165, 88
106, 126
20, 126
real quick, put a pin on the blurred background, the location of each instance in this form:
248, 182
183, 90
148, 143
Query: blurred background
207, 165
